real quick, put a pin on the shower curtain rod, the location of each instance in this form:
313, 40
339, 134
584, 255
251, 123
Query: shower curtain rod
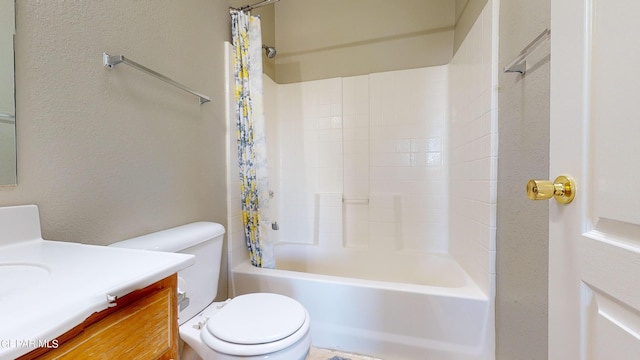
254, 6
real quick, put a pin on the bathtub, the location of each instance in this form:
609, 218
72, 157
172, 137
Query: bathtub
395, 307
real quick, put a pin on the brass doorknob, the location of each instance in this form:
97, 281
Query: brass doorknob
563, 189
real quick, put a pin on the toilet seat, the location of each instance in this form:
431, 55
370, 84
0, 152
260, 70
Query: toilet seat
256, 324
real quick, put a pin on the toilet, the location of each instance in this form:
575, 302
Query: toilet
252, 326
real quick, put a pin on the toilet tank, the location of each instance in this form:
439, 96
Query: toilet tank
199, 282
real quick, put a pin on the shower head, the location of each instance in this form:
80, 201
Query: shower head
270, 51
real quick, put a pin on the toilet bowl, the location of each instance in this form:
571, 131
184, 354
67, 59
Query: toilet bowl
249, 327
252, 326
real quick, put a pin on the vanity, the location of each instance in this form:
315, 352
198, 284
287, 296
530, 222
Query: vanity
70, 300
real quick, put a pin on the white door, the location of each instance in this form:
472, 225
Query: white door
594, 242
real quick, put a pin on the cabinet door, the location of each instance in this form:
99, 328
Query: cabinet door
144, 329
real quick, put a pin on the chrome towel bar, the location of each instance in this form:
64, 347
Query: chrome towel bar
7, 118
110, 61
519, 64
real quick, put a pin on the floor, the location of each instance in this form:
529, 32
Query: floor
325, 354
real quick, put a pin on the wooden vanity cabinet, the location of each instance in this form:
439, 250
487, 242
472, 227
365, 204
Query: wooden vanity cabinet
142, 325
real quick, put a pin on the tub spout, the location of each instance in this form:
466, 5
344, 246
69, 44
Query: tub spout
275, 226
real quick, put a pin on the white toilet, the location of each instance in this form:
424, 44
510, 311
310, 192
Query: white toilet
252, 326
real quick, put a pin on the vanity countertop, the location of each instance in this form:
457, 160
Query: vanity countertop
49, 287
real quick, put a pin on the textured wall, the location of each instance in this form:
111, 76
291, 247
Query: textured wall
112, 154
6, 56
522, 237
7, 130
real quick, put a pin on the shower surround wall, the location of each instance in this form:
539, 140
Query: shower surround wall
395, 161
473, 149
356, 163
361, 163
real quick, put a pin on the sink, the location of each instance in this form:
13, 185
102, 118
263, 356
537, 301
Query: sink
15, 276
49, 287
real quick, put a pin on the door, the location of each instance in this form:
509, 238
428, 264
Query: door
594, 242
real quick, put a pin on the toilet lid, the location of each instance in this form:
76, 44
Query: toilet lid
257, 319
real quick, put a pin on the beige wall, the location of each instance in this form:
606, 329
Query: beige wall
7, 26
319, 39
7, 129
7, 153
522, 235
112, 154
333, 38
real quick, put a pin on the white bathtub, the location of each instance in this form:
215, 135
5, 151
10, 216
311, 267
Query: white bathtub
409, 306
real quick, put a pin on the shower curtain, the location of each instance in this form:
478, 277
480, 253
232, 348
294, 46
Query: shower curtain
252, 151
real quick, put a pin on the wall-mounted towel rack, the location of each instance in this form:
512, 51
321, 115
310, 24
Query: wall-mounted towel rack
110, 61
7, 118
519, 64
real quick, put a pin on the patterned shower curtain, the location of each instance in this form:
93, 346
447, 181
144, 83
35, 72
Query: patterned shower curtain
252, 150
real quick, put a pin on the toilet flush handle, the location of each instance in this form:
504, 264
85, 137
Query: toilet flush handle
183, 299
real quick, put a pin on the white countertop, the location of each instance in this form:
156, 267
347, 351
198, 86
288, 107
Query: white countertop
65, 283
